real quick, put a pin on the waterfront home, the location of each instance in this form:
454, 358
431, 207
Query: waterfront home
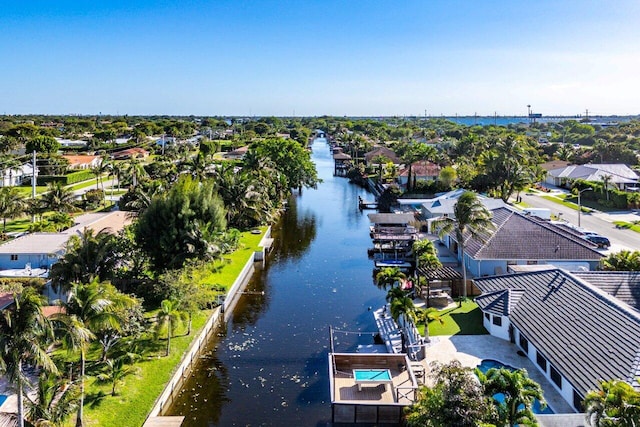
619, 175
341, 162
574, 332
520, 239
422, 170
370, 157
236, 154
370, 388
393, 235
443, 204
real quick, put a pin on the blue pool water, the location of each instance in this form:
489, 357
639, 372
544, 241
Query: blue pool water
372, 374
2, 399
487, 364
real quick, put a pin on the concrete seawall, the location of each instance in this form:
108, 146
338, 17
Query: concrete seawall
182, 371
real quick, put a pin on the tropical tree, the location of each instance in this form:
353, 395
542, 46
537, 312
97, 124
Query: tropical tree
616, 403
58, 198
12, 204
472, 219
135, 169
403, 306
24, 334
380, 161
389, 277
181, 226
291, 159
622, 261
88, 256
114, 372
519, 391
455, 399
56, 399
169, 318
89, 307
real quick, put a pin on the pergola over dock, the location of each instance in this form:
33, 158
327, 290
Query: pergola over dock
439, 295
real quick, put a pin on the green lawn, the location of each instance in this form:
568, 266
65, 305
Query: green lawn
27, 191
627, 226
570, 205
140, 390
465, 320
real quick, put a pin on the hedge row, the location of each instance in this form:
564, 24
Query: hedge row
617, 198
68, 179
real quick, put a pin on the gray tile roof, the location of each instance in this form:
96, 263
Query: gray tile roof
500, 302
624, 285
584, 333
391, 218
619, 173
523, 237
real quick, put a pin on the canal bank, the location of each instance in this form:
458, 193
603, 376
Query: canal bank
267, 365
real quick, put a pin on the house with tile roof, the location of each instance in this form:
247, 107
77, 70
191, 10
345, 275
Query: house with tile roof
130, 153
621, 175
524, 239
381, 151
422, 170
83, 161
575, 333
623, 285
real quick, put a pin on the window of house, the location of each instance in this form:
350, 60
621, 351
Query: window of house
524, 343
535, 262
542, 362
14, 257
487, 316
577, 401
555, 376
497, 320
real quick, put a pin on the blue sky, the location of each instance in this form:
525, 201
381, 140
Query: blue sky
345, 57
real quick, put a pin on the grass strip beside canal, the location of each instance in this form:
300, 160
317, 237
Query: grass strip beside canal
139, 390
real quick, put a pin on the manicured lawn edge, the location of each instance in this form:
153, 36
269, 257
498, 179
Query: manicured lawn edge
627, 226
140, 392
567, 204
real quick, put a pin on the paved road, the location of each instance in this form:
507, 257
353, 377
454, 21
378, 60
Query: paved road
601, 223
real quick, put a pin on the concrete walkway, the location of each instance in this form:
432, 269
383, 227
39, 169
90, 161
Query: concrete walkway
389, 331
470, 350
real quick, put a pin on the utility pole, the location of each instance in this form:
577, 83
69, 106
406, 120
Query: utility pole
34, 177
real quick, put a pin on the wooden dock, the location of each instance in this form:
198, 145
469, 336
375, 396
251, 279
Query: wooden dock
389, 331
363, 204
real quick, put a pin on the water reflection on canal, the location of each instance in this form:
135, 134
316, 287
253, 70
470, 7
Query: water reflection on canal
269, 365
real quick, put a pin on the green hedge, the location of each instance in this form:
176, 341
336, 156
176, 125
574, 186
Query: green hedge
67, 179
617, 199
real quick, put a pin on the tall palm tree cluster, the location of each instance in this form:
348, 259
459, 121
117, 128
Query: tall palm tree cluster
27, 337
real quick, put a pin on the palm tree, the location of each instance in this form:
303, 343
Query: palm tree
169, 317
616, 403
88, 256
380, 161
55, 400
24, 333
622, 261
519, 392
114, 373
90, 307
404, 307
12, 204
136, 170
58, 198
471, 219
389, 276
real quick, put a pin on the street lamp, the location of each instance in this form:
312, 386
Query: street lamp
579, 205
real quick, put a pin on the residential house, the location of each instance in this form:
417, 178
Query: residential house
237, 154
41, 250
574, 332
422, 170
16, 175
130, 153
619, 175
520, 239
371, 156
78, 162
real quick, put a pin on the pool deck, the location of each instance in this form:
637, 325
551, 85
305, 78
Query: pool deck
471, 349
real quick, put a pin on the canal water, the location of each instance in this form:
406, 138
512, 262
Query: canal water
268, 365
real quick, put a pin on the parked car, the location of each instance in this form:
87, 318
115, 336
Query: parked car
600, 241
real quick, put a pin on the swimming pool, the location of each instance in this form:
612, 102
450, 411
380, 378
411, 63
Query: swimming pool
487, 364
2, 399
